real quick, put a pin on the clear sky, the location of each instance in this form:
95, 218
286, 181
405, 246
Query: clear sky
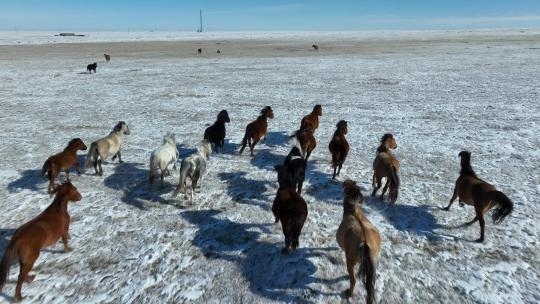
255, 15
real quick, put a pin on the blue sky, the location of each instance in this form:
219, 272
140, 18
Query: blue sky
80, 15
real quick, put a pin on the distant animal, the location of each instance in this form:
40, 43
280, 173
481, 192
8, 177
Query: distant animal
215, 134
306, 140
63, 161
386, 165
199, 51
218, 51
107, 57
315, 47
257, 129
476, 192
194, 167
163, 156
295, 163
42, 231
312, 119
339, 147
110, 145
289, 208
360, 240
91, 67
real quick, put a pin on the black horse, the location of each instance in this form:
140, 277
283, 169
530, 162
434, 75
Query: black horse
215, 134
91, 67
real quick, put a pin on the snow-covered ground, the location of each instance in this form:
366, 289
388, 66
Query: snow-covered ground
133, 244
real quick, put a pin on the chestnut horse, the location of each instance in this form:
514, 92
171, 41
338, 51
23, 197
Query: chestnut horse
360, 240
339, 147
215, 134
44, 230
386, 165
63, 161
483, 196
312, 119
289, 208
257, 129
306, 139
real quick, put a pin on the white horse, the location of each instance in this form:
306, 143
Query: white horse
110, 145
163, 156
194, 167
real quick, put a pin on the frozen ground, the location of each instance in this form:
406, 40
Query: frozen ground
132, 244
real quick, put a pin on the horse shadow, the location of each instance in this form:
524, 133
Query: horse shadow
412, 219
184, 151
270, 273
276, 139
133, 182
247, 191
29, 179
266, 159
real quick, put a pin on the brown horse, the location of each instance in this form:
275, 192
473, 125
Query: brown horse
63, 161
386, 165
107, 57
44, 230
312, 119
483, 196
339, 147
360, 240
289, 208
306, 139
257, 129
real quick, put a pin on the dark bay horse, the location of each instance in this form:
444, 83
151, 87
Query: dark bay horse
483, 196
44, 230
63, 161
257, 129
215, 134
339, 147
312, 119
386, 165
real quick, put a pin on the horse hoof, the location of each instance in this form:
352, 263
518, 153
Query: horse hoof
68, 249
480, 240
30, 278
348, 293
18, 298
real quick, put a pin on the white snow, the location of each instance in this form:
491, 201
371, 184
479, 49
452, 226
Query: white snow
133, 244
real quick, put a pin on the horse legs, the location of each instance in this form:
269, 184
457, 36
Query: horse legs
78, 166
100, 168
307, 155
67, 174
385, 188
377, 183
95, 162
252, 145
26, 266
300, 183
454, 196
65, 238
335, 170
352, 278
119, 156
339, 168
472, 221
480, 216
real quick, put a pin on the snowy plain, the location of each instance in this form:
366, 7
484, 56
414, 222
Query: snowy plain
133, 244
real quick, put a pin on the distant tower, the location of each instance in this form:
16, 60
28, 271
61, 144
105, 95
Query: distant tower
200, 30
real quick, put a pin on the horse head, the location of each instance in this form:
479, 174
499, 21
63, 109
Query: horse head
317, 110
342, 127
205, 148
170, 138
76, 144
122, 127
68, 191
267, 111
389, 141
223, 116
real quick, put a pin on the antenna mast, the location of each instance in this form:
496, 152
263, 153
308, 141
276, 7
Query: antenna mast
200, 18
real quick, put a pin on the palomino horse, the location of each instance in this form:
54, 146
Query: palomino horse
360, 240
44, 230
63, 161
163, 156
312, 119
339, 147
386, 165
92, 67
306, 139
194, 167
257, 129
215, 134
289, 208
296, 164
107, 57
109, 145
483, 196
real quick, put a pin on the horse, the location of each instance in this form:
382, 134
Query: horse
199, 51
163, 156
289, 208
63, 161
315, 47
339, 147
360, 240
194, 167
312, 118
91, 67
107, 57
215, 134
257, 129
306, 140
218, 52
296, 165
42, 231
386, 165
109, 145
476, 192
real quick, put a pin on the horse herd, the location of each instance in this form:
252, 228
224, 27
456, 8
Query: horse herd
356, 235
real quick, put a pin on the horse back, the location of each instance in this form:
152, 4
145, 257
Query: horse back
471, 188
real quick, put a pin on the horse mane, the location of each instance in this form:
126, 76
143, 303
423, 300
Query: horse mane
466, 168
118, 126
382, 147
352, 196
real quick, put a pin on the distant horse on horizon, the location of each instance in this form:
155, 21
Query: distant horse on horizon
386, 165
257, 129
63, 161
92, 67
107, 57
315, 47
199, 51
110, 145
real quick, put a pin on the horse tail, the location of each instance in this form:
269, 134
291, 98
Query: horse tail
153, 167
92, 154
244, 141
184, 170
5, 264
504, 206
367, 273
46, 167
295, 143
395, 182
